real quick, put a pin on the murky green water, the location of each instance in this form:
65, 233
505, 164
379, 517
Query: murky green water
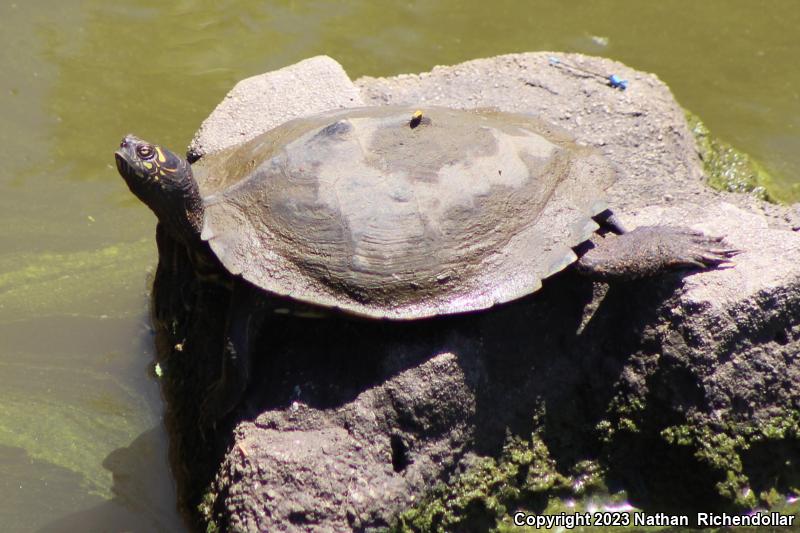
81, 441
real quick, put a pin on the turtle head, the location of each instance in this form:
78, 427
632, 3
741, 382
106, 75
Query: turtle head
164, 181
149, 166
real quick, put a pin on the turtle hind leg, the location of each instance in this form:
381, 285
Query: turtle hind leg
650, 250
226, 394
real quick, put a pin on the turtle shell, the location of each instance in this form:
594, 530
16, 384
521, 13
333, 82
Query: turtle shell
382, 213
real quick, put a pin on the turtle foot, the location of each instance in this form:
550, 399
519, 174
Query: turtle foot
218, 403
224, 396
650, 250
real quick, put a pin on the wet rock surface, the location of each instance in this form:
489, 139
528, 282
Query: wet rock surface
681, 390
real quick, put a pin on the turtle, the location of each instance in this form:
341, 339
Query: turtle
396, 213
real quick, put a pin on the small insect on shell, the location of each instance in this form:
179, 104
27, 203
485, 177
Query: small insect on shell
416, 119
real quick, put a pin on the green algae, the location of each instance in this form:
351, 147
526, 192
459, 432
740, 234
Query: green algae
206, 510
62, 405
486, 493
73, 436
94, 283
729, 169
489, 490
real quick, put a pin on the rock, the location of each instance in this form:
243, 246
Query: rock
260, 103
340, 467
682, 390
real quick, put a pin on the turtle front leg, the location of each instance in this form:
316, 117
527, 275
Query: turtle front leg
650, 250
226, 394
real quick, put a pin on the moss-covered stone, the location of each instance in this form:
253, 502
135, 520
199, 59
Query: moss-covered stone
729, 460
206, 510
487, 494
727, 168
490, 489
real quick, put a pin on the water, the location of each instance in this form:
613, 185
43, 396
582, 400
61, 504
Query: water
81, 440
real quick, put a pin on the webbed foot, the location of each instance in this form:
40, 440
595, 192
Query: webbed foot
223, 396
650, 250
226, 394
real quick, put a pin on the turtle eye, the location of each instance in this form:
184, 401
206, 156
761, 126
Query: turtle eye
145, 151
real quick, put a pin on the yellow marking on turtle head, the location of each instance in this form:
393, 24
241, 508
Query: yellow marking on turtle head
161, 157
148, 165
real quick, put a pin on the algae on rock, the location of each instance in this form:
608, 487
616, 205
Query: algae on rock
727, 168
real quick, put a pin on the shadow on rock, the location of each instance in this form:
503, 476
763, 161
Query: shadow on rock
346, 422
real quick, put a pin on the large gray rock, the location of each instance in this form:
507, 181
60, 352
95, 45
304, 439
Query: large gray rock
339, 467
259, 103
348, 426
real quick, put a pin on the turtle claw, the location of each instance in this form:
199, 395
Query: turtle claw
697, 264
718, 257
709, 260
727, 252
649, 250
706, 252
